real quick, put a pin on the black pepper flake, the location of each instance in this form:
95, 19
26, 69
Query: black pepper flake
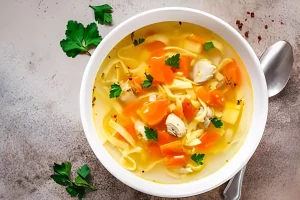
259, 38
102, 75
266, 26
93, 101
234, 84
272, 20
130, 78
245, 19
108, 56
128, 67
239, 102
238, 22
252, 14
247, 34
248, 13
180, 23
240, 26
143, 171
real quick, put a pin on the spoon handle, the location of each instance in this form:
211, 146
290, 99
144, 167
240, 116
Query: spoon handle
233, 189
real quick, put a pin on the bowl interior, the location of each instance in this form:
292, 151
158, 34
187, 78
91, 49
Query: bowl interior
260, 101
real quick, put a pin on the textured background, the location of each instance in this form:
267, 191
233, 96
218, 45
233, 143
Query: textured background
39, 97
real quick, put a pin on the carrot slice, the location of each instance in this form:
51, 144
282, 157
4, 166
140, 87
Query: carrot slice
164, 138
154, 150
208, 139
176, 161
155, 111
188, 109
203, 94
155, 46
171, 149
232, 73
129, 127
217, 98
195, 38
132, 107
160, 71
184, 64
211, 98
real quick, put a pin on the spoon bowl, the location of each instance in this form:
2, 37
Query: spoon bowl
277, 63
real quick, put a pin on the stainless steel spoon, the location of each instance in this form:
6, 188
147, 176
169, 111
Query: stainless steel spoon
277, 63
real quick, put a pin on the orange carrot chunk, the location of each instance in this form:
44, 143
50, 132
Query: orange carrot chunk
179, 160
154, 150
232, 73
188, 109
165, 138
184, 65
154, 112
208, 140
171, 149
159, 71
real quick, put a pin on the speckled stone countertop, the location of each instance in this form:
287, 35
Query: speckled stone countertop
39, 98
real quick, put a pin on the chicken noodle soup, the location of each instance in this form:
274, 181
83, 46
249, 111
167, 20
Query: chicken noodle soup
171, 102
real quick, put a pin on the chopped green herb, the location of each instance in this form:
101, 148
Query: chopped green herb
148, 82
198, 158
103, 14
173, 61
151, 133
84, 171
80, 39
79, 186
136, 42
115, 91
216, 122
208, 46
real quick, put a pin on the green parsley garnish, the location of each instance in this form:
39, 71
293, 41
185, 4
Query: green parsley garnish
79, 39
136, 42
173, 61
208, 46
115, 90
148, 82
103, 14
151, 133
79, 186
198, 158
216, 122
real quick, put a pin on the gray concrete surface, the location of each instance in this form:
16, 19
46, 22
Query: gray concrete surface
39, 98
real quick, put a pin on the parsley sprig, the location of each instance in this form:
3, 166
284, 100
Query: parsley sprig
102, 13
151, 134
115, 91
79, 186
148, 82
198, 158
173, 61
216, 122
79, 38
208, 46
138, 41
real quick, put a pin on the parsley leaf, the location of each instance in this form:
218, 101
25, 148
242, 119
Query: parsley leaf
208, 46
173, 61
83, 171
80, 39
79, 186
148, 82
115, 90
136, 42
151, 133
102, 13
60, 179
198, 158
216, 122
63, 169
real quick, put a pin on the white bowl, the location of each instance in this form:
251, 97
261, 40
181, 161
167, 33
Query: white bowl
260, 101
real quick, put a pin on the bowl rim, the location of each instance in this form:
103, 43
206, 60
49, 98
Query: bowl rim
224, 173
